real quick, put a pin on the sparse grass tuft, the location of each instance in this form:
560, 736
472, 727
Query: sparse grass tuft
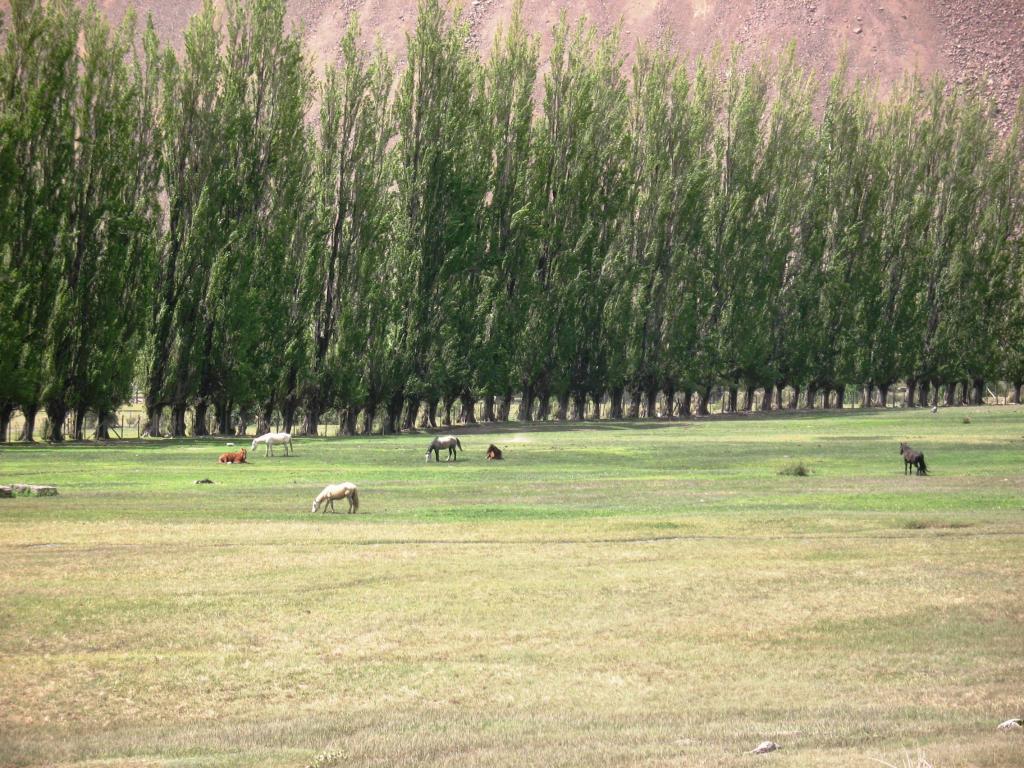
329, 759
795, 470
916, 524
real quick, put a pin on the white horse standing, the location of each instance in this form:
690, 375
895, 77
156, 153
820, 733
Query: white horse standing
438, 444
339, 491
274, 438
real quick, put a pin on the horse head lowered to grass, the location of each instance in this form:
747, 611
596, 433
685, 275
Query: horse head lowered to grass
327, 496
274, 438
440, 443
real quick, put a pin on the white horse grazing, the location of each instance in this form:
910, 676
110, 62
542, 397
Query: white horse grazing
340, 491
439, 443
274, 438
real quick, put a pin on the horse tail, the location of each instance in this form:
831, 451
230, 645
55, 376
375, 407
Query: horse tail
924, 467
355, 499
458, 443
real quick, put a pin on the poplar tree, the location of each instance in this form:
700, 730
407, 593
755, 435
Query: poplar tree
347, 277
38, 79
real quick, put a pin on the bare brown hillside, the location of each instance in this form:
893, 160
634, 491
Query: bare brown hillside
978, 43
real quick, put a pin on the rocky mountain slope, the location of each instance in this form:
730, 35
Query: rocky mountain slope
978, 43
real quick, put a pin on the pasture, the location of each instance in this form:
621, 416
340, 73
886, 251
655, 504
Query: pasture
609, 595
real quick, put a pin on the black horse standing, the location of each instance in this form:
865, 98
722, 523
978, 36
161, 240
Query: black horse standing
912, 458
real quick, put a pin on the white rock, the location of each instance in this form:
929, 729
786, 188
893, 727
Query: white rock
764, 746
1014, 722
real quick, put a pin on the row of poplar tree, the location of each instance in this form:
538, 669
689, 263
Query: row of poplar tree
237, 237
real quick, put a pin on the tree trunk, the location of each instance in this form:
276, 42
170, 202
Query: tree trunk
526, 404
670, 403
924, 389
840, 399
310, 419
579, 407
702, 406
748, 399
242, 422
393, 414
685, 408
733, 399
563, 407
468, 415
883, 395
1017, 391
412, 407
104, 419
28, 429
950, 397
152, 426
488, 414
651, 403
56, 413
426, 411
6, 411
78, 424
812, 395
615, 403
965, 392
199, 423
767, 397
826, 398
506, 406
544, 406
911, 393
794, 399
178, 412
222, 417
633, 409
288, 413
369, 411
979, 392
348, 418
779, 389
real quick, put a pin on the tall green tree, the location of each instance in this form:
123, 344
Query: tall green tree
440, 182
38, 81
347, 278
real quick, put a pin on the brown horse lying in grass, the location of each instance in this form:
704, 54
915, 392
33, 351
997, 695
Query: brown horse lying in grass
493, 452
912, 458
233, 458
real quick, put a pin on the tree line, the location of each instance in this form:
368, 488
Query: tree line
237, 236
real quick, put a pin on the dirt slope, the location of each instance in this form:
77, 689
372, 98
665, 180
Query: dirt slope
978, 43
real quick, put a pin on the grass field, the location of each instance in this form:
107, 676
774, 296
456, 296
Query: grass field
610, 595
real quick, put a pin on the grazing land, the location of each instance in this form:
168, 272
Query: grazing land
611, 594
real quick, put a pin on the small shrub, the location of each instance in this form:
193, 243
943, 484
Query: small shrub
796, 470
967, 419
915, 524
328, 759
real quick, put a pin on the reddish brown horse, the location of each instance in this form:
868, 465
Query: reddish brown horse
233, 458
493, 453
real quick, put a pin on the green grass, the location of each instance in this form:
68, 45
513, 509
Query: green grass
609, 595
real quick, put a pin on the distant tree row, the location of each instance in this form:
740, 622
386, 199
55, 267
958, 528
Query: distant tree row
239, 238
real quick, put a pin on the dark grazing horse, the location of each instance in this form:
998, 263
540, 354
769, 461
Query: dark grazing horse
912, 458
493, 453
447, 441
